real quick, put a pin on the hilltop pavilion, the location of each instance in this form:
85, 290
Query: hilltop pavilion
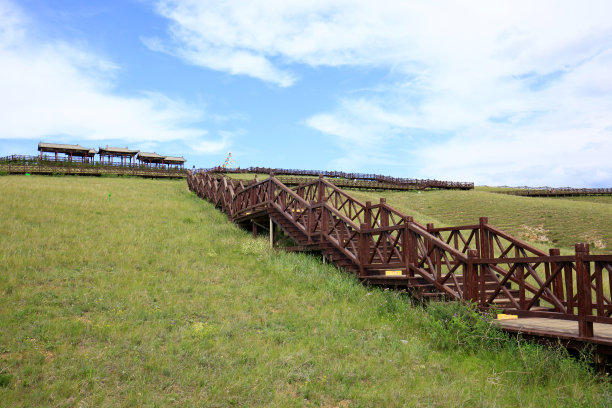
69, 150
112, 152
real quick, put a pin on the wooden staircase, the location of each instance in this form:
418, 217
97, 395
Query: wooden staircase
371, 240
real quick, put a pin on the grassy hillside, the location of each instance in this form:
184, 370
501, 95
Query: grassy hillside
152, 298
547, 222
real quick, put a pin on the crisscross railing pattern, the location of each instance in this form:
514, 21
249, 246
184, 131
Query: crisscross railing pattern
477, 263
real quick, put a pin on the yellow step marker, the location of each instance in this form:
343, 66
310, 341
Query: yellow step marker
502, 316
393, 273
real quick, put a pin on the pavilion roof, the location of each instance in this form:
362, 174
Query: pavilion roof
64, 148
146, 155
174, 160
119, 151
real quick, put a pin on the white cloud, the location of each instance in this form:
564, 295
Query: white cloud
54, 90
493, 91
214, 146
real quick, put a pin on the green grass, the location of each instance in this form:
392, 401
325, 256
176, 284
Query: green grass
154, 299
546, 222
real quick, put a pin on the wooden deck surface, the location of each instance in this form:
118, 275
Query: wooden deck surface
556, 328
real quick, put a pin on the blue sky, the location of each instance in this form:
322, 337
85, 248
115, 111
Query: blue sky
499, 93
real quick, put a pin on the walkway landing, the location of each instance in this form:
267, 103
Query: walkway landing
564, 329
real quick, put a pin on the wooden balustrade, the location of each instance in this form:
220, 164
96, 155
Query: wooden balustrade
477, 263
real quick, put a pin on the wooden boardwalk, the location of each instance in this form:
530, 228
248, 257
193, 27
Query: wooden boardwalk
556, 297
344, 179
556, 328
85, 169
559, 192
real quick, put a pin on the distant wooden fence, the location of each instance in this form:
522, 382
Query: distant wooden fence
559, 192
36, 165
401, 183
354, 183
477, 263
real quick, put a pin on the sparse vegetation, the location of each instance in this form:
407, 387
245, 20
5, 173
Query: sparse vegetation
150, 297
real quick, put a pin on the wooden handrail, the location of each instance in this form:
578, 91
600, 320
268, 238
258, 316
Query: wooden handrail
398, 241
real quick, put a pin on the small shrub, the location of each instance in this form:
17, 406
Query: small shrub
455, 325
5, 380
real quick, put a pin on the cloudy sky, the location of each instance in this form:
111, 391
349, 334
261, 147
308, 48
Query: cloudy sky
499, 93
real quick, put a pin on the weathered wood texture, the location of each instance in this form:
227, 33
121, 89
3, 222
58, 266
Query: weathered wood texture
477, 263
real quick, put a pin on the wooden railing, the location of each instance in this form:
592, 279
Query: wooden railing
557, 192
354, 178
477, 263
87, 166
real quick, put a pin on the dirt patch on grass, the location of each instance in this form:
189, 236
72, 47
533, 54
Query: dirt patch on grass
594, 239
49, 356
531, 233
340, 404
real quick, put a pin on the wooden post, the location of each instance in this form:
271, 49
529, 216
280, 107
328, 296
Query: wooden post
520, 276
367, 218
470, 279
557, 283
271, 233
254, 227
363, 248
320, 189
324, 218
585, 302
384, 214
270, 191
410, 253
430, 249
310, 225
484, 240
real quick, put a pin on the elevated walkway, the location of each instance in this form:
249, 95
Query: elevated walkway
473, 263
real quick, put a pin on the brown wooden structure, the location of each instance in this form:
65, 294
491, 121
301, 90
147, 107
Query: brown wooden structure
558, 192
343, 177
36, 165
178, 162
71, 151
150, 158
357, 184
568, 296
123, 154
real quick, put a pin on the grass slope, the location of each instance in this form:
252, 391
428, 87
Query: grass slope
546, 222
152, 299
